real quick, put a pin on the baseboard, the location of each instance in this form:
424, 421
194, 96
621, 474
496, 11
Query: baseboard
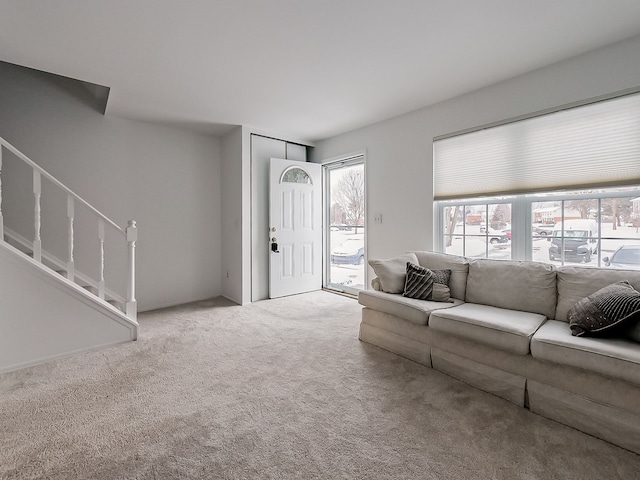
178, 303
232, 299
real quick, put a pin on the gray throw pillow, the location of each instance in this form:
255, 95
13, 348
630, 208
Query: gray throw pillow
441, 276
392, 271
441, 293
603, 311
425, 284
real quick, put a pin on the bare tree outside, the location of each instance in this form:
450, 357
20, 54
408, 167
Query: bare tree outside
583, 207
346, 243
349, 194
451, 217
619, 209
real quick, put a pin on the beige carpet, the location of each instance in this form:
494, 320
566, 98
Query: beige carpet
275, 390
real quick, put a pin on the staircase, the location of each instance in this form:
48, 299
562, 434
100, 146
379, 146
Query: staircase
67, 272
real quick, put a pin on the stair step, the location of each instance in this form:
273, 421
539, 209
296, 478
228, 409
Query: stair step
62, 272
116, 304
91, 288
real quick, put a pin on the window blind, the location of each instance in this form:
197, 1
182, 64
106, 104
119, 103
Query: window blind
587, 146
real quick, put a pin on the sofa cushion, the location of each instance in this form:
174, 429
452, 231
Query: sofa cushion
524, 286
391, 272
613, 357
459, 267
603, 312
576, 283
508, 330
415, 311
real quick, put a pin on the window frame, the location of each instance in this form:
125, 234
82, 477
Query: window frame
353, 159
522, 218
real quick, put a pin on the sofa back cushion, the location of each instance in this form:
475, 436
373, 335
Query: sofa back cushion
392, 272
576, 283
523, 286
459, 267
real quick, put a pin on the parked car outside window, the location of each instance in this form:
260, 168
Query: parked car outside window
577, 240
351, 251
498, 236
542, 230
627, 257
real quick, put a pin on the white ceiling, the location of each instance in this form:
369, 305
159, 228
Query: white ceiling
303, 68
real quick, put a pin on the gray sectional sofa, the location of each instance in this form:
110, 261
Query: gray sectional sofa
505, 331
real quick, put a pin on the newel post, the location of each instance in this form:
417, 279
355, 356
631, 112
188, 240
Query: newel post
131, 308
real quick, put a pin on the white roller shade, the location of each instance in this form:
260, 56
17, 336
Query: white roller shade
591, 145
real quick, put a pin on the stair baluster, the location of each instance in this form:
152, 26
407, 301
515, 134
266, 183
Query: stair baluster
70, 216
101, 240
131, 307
37, 192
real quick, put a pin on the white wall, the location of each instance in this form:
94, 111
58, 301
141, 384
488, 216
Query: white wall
399, 150
165, 178
231, 228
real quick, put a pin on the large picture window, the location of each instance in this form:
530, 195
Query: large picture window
590, 228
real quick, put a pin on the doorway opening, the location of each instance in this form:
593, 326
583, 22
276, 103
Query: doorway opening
345, 241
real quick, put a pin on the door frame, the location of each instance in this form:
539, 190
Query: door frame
258, 201
354, 158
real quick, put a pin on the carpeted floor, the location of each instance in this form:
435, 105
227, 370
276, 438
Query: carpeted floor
279, 389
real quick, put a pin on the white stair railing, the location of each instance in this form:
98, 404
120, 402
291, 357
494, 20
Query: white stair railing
130, 234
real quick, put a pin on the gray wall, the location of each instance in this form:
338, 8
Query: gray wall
165, 178
399, 151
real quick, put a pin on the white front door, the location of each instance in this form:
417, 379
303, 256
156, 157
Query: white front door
295, 232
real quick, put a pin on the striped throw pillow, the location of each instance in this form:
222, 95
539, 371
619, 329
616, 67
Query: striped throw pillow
425, 284
602, 312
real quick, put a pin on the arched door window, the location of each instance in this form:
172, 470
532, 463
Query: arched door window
295, 175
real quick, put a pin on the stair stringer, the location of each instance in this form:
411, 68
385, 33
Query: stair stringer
43, 316
16, 240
